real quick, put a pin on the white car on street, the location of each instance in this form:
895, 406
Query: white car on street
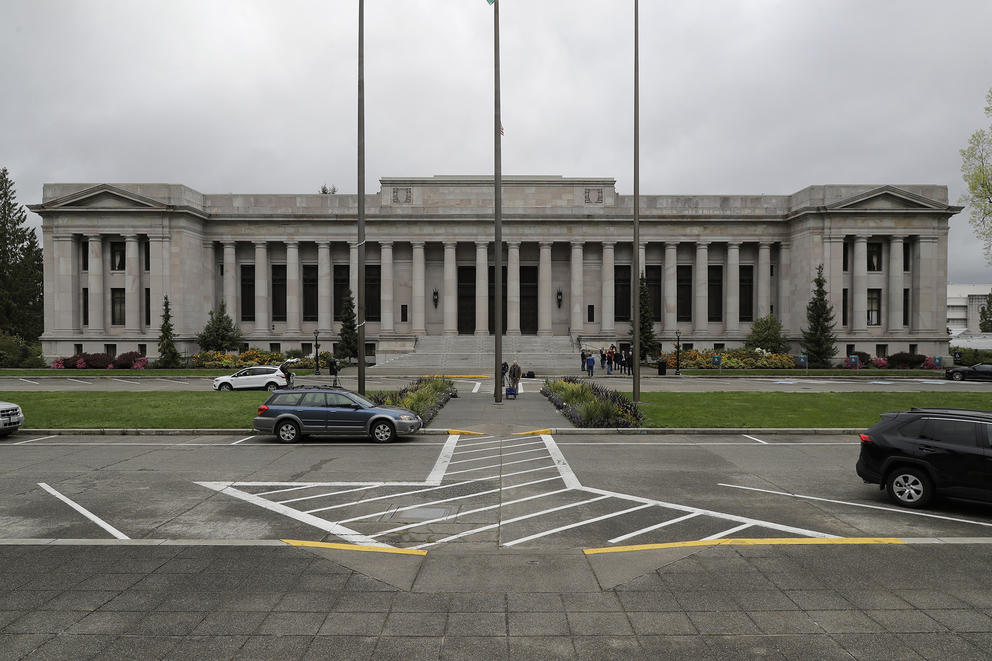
11, 418
266, 377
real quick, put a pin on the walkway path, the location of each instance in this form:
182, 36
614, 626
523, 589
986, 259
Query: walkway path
479, 412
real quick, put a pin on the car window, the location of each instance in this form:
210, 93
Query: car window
241, 373
313, 399
337, 399
983, 367
954, 432
284, 399
912, 429
985, 434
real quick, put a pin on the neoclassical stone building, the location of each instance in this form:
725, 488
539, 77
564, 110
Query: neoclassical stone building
282, 264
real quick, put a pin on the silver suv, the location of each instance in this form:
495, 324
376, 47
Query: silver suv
11, 418
269, 377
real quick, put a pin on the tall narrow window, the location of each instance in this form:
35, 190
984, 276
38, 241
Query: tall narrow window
653, 280
341, 285
309, 292
84, 258
746, 311
148, 306
148, 255
843, 307
86, 307
874, 256
116, 255
117, 306
845, 251
907, 255
621, 292
590, 313
683, 292
714, 292
905, 307
247, 292
278, 292
874, 307
373, 292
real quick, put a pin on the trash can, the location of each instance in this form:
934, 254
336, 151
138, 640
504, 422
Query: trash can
662, 368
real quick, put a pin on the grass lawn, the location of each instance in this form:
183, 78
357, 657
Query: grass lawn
129, 374
776, 409
871, 372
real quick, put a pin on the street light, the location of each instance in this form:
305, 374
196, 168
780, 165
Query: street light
678, 352
316, 355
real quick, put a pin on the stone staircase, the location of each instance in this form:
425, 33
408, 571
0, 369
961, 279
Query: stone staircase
471, 354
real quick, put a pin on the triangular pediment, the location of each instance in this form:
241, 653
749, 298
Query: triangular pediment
104, 196
886, 198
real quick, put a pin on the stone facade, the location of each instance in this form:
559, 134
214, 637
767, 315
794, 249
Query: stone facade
282, 263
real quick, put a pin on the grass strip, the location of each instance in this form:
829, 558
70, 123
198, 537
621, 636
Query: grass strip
773, 409
132, 374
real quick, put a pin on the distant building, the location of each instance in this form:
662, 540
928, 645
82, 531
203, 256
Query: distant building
283, 264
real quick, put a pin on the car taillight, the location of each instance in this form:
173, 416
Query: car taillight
263, 408
865, 438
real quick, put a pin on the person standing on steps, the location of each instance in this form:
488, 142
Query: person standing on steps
582, 363
514, 375
590, 363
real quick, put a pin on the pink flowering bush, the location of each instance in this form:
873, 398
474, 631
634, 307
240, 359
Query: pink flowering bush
59, 364
928, 364
140, 363
80, 364
880, 363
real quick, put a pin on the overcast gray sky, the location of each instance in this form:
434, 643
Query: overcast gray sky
249, 96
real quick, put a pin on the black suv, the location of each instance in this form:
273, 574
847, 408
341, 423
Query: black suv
913, 454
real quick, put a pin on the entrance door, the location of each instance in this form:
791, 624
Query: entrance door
528, 300
466, 300
492, 299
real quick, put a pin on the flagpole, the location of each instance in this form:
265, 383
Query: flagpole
498, 217
361, 197
636, 316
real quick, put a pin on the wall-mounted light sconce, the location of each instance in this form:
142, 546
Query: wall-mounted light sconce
435, 298
558, 297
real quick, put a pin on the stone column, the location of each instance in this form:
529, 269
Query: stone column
859, 285
482, 288
641, 265
95, 285
732, 297
419, 289
544, 293
895, 267
575, 295
386, 288
325, 280
158, 281
132, 284
764, 279
513, 288
262, 288
784, 311
63, 300
700, 305
833, 271
929, 316
353, 272
231, 281
293, 298
450, 289
670, 299
609, 310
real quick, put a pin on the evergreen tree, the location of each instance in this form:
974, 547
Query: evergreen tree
220, 333
645, 320
766, 334
347, 347
819, 339
985, 315
168, 356
21, 279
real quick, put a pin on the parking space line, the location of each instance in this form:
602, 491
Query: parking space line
505, 463
246, 438
468, 445
505, 447
478, 384
566, 471
183, 383
352, 547
269, 493
760, 541
330, 493
85, 383
871, 507
508, 521
497, 456
443, 459
32, 440
85, 512
29, 381
576, 525
656, 526
755, 439
729, 531
134, 383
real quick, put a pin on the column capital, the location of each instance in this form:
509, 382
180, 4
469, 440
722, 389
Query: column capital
260, 244
577, 244
292, 242
702, 244
93, 238
226, 242
385, 244
765, 244
735, 245
418, 244
545, 244
609, 244
482, 244
450, 244
512, 244
897, 238
861, 238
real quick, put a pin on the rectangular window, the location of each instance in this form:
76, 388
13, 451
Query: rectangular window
370, 348
244, 347
148, 255
341, 285
746, 312
77, 348
403, 313
86, 306
309, 292
882, 350
148, 306
220, 269
714, 292
905, 307
687, 346
652, 277
850, 350
116, 255
275, 347
143, 349
278, 292
843, 307
719, 346
621, 292
874, 256
110, 350
247, 292
874, 307
907, 255
306, 348
117, 306
84, 258
845, 251
373, 291
913, 349
591, 313
683, 292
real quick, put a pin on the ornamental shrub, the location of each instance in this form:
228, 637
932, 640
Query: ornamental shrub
59, 364
140, 363
126, 360
590, 405
98, 361
880, 363
740, 359
905, 360
426, 397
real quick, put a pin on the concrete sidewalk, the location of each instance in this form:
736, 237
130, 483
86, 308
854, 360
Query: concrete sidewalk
479, 412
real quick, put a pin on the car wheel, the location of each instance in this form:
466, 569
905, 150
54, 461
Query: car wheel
909, 487
957, 376
382, 431
288, 432
226, 387
271, 385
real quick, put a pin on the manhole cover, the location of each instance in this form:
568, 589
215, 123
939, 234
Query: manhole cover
420, 514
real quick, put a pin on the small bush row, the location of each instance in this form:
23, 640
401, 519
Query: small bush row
426, 397
738, 359
590, 405
15, 352
100, 361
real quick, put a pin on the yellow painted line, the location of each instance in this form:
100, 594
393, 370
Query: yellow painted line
465, 431
353, 547
532, 432
771, 541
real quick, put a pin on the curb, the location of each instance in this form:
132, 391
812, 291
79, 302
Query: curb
705, 430
173, 432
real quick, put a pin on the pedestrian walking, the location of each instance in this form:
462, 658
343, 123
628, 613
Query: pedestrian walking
590, 363
602, 358
514, 374
582, 362
504, 367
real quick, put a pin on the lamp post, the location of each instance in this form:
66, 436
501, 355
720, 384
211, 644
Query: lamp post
316, 355
678, 352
